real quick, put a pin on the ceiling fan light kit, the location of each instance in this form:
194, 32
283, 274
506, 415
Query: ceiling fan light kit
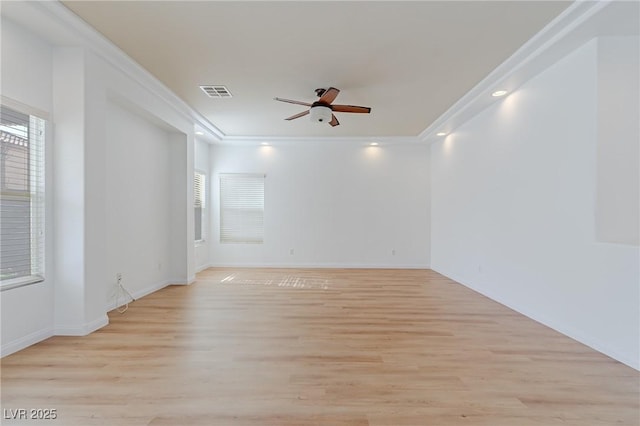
322, 111
320, 114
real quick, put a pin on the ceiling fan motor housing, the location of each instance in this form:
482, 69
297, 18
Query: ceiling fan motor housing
320, 114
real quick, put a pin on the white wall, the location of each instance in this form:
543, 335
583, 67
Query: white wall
69, 191
88, 168
618, 171
182, 226
138, 203
335, 204
136, 138
27, 312
513, 210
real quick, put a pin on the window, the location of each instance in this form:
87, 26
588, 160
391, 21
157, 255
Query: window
241, 208
199, 203
21, 198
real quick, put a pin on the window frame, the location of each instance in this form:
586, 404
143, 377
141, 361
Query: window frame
37, 132
203, 205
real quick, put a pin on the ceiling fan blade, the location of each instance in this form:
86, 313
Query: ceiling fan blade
351, 108
292, 102
329, 96
302, 114
334, 121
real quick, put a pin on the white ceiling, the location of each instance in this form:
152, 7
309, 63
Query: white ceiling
408, 61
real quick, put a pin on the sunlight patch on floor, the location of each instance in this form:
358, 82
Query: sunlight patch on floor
288, 281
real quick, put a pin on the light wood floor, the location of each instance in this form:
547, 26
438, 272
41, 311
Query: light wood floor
320, 347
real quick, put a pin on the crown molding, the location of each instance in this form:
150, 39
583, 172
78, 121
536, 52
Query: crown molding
66, 28
565, 33
553, 42
288, 140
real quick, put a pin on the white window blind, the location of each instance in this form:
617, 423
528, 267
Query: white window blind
21, 198
199, 203
241, 208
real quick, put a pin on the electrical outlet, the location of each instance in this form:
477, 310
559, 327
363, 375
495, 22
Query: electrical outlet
393, 252
291, 252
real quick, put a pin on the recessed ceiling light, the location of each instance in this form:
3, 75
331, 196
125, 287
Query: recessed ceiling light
441, 134
199, 133
374, 144
499, 93
265, 144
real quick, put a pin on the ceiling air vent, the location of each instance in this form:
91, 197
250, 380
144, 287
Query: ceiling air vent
216, 91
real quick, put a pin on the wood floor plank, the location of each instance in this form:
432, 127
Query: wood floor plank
320, 347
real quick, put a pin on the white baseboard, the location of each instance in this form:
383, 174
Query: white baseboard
544, 320
321, 265
25, 341
81, 329
203, 267
182, 281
